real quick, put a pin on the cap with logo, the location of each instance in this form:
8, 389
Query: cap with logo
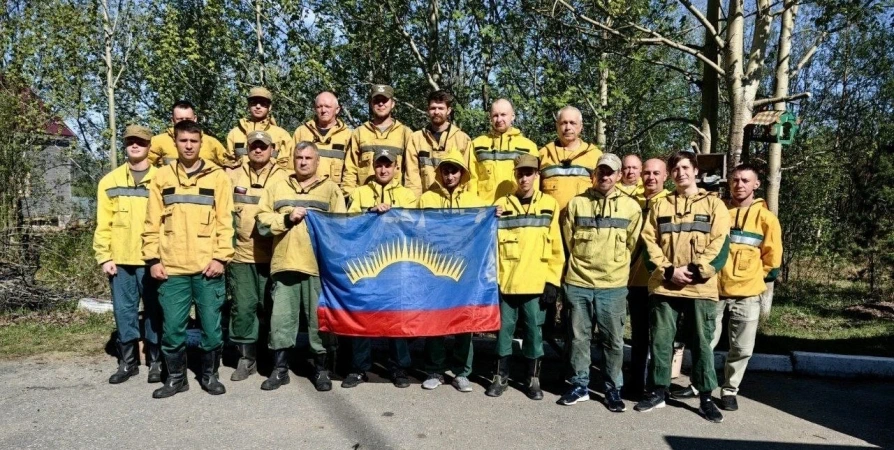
256, 136
386, 153
381, 89
610, 160
138, 131
527, 160
260, 92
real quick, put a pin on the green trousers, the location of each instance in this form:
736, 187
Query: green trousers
295, 293
436, 355
250, 287
528, 307
176, 296
605, 310
698, 330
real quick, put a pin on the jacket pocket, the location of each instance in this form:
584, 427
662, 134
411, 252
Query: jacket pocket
550, 185
122, 215
620, 247
509, 247
547, 251
335, 171
697, 245
206, 223
366, 159
583, 244
743, 263
167, 218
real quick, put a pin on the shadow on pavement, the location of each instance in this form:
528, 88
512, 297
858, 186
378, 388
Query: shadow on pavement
686, 443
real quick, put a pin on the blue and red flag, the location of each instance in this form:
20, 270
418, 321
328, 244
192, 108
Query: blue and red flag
407, 272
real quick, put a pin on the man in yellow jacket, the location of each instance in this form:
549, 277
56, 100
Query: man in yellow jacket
248, 275
687, 240
755, 257
260, 103
379, 196
654, 176
531, 260
493, 153
567, 164
330, 135
163, 150
121, 199
601, 230
294, 270
631, 179
187, 241
382, 131
450, 192
429, 145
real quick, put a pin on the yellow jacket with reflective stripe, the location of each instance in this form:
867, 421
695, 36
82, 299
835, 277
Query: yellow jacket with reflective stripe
439, 197
364, 141
236, 144
639, 274
635, 191
120, 214
601, 232
530, 245
333, 147
189, 220
688, 232
373, 194
425, 152
248, 186
292, 250
163, 151
493, 162
755, 251
565, 173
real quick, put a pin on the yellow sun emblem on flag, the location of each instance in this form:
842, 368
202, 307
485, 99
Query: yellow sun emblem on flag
414, 251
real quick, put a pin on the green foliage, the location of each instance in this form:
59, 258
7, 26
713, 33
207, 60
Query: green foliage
67, 265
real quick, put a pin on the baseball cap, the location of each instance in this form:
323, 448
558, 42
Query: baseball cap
138, 131
527, 160
256, 136
610, 160
381, 89
386, 153
260, 92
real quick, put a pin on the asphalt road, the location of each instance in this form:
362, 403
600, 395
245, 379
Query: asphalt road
64, 402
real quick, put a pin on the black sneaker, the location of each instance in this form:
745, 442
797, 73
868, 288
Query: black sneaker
400, 379
684, 393
652, 400
729, 403
353, 379
613, 401
709, 410
576, 394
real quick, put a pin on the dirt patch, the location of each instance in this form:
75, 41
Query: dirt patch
875, 310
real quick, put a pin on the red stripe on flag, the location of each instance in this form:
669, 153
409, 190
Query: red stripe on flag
466, 319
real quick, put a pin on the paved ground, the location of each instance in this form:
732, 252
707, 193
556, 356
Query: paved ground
66, 403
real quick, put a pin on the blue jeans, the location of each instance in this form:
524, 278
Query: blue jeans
607, 308
129, 285
362, 354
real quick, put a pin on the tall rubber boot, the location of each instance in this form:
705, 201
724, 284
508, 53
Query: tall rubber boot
533, 390
210, 379
280, 374
176, 382
128, 362
501, 378
247, 362
153, 359
322, 382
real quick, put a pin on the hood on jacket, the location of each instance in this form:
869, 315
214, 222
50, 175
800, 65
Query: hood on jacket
248, 125
312, 126
511, 132
456, 158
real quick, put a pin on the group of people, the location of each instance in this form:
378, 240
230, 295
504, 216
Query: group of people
597, 232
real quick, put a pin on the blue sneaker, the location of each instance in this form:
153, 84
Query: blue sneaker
576, 394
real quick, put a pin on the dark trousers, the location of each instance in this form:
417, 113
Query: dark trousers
638, 306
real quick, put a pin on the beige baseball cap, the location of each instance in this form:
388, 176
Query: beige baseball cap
381, 89
610, 160
523, 161
138, 131
256, 136
260, 92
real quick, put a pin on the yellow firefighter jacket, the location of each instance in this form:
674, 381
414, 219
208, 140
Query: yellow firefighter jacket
425, 152
530, 244
364, 142
373, 194
493, 162
635, 191
333, 146
755, 251
236, 144
565, 173
601, 231
163, 151
292, 250
440, 197
639, 274
189, 219
248, 185
687, 231
120, 214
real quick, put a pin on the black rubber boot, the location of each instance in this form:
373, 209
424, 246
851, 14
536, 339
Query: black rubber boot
533, 384
321, 380
247, 362
210, 380
128, 362
280, 374
153, 359
176, 382
501, 378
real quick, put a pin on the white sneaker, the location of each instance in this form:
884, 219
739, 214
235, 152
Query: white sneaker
432, 382
462, 384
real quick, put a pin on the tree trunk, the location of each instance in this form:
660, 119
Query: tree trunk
710, 103
783, 70
108, 35
603, 102
734, 65
259, 34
